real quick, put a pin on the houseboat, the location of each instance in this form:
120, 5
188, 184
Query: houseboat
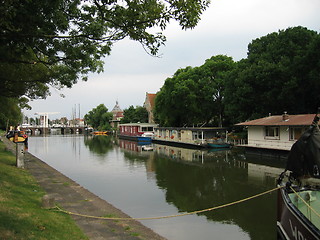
276, 133
299, 196
191, 137
137, 131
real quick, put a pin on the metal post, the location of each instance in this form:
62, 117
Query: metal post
20, 155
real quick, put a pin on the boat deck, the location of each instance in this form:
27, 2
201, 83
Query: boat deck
312, 198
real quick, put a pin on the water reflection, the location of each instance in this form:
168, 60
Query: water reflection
156, 180
197, 179
99, 144
217, 179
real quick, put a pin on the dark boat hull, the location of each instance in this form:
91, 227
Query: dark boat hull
217, 145
136, 138
291, 223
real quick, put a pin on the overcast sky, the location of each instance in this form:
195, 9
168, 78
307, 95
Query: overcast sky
227, 27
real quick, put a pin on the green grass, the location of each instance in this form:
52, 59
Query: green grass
21, 215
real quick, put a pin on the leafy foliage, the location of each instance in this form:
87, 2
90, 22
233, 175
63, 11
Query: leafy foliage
56, 42
10, 113
99, 118
194, 95
281, 73
134, 115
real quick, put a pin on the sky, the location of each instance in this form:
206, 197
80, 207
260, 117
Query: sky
226, 27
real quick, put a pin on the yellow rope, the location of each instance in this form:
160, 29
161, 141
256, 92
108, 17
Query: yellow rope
312, 209
177, 215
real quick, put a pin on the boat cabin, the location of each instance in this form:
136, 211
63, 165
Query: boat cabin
136, 129
190, 136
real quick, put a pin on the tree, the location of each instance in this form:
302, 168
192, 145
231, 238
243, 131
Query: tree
174, 103
281, 73
194, 96
32, 121
10, 113
134, 115
213, 77
99, 118
56, 42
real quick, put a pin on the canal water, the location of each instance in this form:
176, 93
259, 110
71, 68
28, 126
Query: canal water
158, 180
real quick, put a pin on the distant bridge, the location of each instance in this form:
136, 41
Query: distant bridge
47, 130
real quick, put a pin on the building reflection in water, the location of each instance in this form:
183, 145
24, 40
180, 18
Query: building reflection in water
196, 179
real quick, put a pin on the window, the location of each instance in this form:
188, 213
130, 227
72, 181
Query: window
164, 133
272, 133
296, 132
179, 134
147, 129
194, 135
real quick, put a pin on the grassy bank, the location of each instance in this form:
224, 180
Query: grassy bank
21, 215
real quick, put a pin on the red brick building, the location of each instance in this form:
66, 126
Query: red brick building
149, 105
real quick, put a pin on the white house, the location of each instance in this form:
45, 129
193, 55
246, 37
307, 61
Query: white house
277, 132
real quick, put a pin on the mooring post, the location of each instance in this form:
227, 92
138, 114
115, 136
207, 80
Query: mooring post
20, 154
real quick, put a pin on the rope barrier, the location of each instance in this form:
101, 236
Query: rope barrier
304, 201
176, 215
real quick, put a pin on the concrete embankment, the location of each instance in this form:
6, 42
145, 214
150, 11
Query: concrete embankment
72, 197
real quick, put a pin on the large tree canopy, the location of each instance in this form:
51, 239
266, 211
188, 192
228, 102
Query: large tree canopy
194, 95
99, 118
56, 42
134, 115
281, 73
10, 114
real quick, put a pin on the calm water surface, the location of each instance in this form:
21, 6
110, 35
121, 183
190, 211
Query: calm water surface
158, 180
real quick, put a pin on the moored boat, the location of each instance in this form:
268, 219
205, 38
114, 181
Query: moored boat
17, 136
142, 132
219, 145
298, 214
193, 137
100, 133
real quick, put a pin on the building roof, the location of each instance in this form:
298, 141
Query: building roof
205, 129
281, 120
151, 97
119, 114
139, 124
116, 108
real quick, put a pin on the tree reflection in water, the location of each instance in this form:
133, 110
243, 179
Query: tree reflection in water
100, 145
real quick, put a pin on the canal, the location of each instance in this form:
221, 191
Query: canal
158, 180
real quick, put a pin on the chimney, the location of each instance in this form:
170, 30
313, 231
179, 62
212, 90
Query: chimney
285, 116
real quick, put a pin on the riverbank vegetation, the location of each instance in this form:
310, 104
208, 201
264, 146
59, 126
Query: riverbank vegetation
134, 115
99, 118
281, 73
56, 43
21, 215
